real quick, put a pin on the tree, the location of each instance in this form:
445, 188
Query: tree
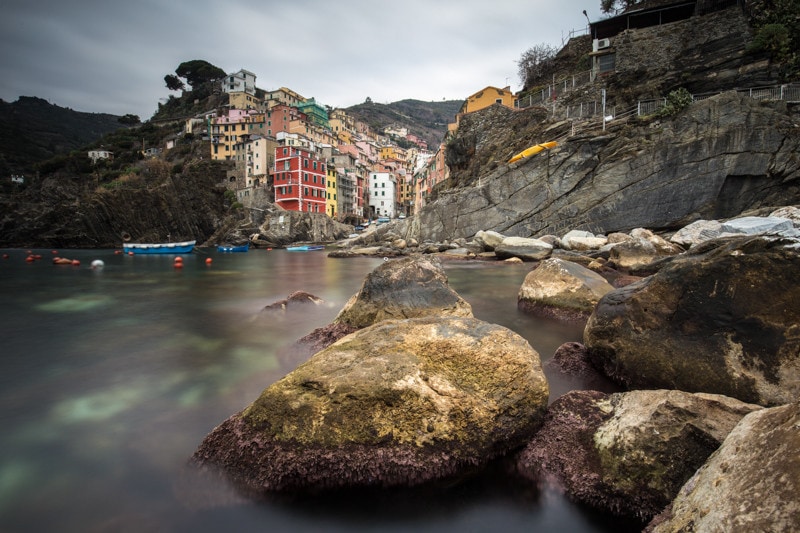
198, 72
536, 63
173, 82
129, 119
608, 6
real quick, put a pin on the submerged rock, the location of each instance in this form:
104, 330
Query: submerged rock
403, 288
561, 289
294, 300
399, 403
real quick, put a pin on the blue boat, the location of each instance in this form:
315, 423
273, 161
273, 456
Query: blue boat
305, 248
240, 248
185, 247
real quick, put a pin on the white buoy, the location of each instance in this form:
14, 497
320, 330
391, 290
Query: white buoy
98, 263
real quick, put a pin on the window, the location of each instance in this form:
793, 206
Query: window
606, 63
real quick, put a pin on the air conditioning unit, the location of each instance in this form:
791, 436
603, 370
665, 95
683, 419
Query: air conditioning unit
603, 43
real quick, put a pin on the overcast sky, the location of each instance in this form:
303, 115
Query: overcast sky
110, 56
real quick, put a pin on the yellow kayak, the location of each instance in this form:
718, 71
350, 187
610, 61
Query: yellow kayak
533, 150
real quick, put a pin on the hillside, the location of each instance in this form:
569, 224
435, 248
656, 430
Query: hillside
32, 130
427, 120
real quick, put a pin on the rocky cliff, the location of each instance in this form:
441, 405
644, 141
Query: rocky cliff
718, 158
155, 205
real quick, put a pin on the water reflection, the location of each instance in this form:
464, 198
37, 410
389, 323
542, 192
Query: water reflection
110, 379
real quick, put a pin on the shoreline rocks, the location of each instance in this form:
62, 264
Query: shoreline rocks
399, 403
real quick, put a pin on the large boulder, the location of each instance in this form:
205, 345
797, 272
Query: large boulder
523, 248
750, 484
578, 240
629, 453
488, 239
399, 403
723, 318
404, 288
561, 289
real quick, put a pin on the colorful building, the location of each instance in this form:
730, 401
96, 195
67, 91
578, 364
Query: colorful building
300, 180
232, 128
332, 200
382, 194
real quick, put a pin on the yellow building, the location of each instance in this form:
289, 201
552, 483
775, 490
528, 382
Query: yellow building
486, 97
243, 100
332, 201
236, 126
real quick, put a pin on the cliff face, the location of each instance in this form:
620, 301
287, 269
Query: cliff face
162, 205
718, 158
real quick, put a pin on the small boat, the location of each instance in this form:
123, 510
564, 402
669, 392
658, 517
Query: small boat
533, 150
185, 247
240, 248
305, 248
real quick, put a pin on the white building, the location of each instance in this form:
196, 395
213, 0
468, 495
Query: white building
253, 157
382, 194
243, 81
94, 155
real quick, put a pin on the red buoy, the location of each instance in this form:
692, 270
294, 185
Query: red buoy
75, 262
30, 259
208, 260
55, 252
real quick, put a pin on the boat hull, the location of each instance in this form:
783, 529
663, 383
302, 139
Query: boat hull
185, 247
533, 150
305, 248
242, 248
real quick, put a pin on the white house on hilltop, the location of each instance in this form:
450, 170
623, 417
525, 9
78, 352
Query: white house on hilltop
243, 81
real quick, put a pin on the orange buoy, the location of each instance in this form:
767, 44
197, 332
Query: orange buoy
179, 259
117, 252
75, 262
37, 256
208, 261
30, 259
130, 253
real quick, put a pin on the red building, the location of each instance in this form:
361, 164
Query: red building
299, 180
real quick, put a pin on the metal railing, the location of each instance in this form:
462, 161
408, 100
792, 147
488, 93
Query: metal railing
786, 92
554, 90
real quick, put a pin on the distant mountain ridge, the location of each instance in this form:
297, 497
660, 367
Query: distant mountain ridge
33, 130
427, 120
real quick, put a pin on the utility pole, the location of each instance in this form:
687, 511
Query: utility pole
603, 92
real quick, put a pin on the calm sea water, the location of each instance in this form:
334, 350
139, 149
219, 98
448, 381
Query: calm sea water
109, 380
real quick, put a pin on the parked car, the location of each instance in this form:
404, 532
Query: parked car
360, 227
382, 220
